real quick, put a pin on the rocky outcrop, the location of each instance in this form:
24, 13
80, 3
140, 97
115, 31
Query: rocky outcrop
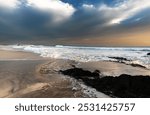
120, 58
80, 73
125, 86
123, 60
148, 54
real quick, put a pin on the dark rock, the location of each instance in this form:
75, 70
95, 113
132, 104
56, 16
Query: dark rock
138, 65
120, 86
120, 58
148, 54
79, 73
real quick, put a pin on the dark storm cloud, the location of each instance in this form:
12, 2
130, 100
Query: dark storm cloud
25, 21
29, 23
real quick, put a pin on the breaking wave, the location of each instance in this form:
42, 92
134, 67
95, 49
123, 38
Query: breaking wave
128, 55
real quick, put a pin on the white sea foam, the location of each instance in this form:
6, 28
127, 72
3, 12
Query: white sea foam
85, 54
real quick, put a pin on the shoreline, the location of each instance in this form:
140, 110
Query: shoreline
27, 75
120, 80
20, 78
17, 75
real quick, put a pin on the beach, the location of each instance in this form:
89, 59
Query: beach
28, 75
18, 55
20, 77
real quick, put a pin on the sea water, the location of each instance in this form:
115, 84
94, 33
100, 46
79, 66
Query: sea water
133, 55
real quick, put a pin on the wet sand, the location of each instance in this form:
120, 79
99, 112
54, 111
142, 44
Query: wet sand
85, 72
27, 75
17, 75
108, 68
111, 78
20, 77
17, 71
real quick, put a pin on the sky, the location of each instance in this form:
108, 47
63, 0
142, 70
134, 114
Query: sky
75, 22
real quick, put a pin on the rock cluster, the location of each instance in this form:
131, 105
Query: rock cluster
125, 86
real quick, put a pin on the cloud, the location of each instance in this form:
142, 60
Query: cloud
57, 20
9, 3
59, 10
88, 6
123, 10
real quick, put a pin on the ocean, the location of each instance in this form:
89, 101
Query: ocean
127, 55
